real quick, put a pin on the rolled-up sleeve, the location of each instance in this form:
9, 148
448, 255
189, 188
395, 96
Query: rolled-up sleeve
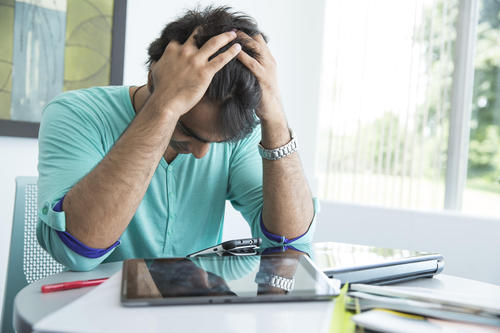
304, 238
245, 192
70, 146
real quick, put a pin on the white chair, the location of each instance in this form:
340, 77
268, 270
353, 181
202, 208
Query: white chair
28, 262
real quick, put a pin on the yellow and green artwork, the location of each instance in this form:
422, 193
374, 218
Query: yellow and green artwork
7, 29
87, 59
50, 46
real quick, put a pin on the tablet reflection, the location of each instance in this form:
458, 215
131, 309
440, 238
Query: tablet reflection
247, 276
182, 277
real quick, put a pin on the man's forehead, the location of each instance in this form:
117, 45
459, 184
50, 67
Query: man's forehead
203, 122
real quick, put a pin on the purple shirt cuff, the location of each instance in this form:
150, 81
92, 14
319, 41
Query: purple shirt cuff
77, 246
276, 238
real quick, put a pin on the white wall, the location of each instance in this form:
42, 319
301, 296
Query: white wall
18, 157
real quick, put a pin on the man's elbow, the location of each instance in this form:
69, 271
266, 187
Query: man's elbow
52, 244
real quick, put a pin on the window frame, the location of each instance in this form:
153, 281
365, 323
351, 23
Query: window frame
461, 104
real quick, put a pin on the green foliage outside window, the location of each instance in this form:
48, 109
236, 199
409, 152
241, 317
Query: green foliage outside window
484, 146
484, 150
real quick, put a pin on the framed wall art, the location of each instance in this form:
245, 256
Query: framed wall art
50, 46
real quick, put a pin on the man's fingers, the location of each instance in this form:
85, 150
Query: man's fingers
256, 43
191, 41
215, 43
250, 42
260, 39
251, 63
222, 59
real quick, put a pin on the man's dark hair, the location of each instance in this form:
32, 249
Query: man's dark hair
234, 88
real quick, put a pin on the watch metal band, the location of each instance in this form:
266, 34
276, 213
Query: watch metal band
280, 152
275, 281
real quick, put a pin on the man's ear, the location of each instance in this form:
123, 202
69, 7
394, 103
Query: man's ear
150, 82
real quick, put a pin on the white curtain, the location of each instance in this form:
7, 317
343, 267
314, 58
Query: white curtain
384, 116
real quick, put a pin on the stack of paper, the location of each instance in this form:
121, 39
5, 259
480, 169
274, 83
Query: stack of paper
426, 302
395, 322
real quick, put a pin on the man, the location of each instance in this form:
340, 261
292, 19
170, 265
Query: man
145, 171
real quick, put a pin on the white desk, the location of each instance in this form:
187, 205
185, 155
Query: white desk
30, 306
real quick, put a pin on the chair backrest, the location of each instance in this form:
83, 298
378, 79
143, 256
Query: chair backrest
28, 262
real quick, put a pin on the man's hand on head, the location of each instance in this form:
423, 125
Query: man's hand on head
183, 73
264, 68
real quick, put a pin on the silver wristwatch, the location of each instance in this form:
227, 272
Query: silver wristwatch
275, 281
280, 152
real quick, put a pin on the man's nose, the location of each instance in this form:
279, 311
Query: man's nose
201, 149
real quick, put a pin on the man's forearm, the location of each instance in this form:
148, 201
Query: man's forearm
288, 208
100, 206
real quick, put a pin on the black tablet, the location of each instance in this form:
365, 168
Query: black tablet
224, 279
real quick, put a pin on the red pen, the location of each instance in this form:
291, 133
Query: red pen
48, 288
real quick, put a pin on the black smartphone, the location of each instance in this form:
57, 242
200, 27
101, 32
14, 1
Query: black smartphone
234, 245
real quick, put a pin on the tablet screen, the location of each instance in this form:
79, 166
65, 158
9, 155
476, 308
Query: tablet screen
224, 279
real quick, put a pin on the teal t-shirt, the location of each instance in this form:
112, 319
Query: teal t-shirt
183, 208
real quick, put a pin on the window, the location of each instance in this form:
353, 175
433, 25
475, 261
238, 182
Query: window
391, 104
482, 191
